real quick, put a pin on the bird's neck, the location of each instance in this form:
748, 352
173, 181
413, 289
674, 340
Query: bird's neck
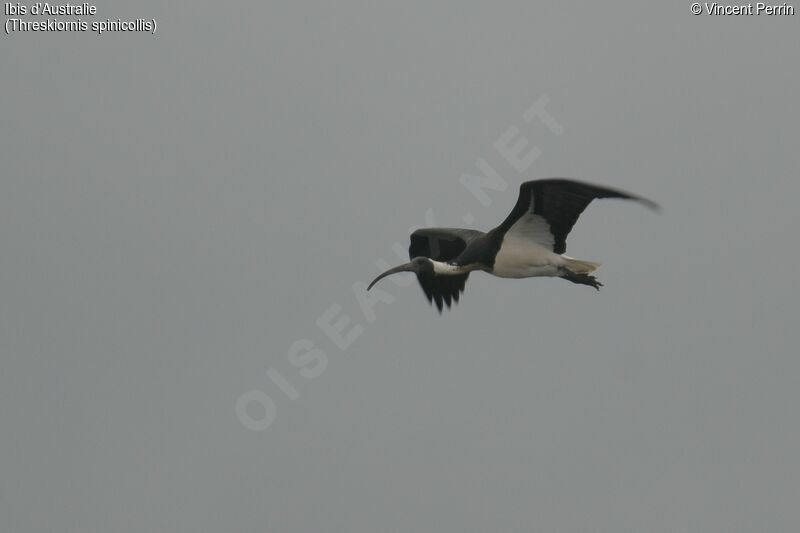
446, 269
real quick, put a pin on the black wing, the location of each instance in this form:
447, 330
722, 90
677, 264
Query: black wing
547, 209
441, 244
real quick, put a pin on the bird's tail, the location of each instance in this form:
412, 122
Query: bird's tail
579, 267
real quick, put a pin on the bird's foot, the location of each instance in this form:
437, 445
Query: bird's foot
581, 279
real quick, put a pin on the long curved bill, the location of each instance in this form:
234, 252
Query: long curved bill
405, 267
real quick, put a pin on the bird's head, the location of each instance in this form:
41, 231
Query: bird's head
419, 265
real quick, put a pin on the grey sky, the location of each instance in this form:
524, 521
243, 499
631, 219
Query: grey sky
177, 210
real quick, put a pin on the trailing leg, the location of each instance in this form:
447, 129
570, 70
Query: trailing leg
580, 278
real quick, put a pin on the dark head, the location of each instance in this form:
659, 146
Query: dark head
419, 265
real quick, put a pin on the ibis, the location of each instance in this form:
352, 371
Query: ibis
529, 243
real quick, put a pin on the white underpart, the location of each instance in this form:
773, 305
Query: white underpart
520, 257
533, 228
446, 269
526, 251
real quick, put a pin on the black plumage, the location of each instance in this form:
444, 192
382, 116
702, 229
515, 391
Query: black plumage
441, 244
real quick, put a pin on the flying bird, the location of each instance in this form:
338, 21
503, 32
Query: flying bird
529, 243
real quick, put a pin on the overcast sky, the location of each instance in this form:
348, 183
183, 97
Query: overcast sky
187, 219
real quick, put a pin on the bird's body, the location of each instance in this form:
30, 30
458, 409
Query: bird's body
530, 242
523, 258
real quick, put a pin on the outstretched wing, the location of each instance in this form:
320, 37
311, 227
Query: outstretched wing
441, 244
547, 209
